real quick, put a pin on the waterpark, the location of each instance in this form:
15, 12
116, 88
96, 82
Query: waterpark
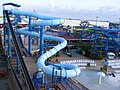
44, 54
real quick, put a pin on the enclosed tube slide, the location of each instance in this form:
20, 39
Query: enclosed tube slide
67, 70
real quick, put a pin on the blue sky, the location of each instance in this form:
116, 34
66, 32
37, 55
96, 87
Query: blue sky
107, 10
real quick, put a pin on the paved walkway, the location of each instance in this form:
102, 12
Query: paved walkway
75, 56
90, 79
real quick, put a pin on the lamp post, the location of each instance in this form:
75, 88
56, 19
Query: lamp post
119, 23
96, 20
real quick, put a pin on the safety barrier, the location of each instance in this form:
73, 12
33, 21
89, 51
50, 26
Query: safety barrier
79, 62
114, 63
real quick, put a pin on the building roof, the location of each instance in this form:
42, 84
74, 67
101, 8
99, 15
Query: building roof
100, 23
72, 23
53, 32
60, 34
68, 37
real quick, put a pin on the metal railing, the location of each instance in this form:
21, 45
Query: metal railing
19, 54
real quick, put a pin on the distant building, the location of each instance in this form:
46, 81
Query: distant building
104, 24
22, 24
71, 24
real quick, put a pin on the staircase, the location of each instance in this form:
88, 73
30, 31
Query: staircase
14, 64
115, 38
61, 86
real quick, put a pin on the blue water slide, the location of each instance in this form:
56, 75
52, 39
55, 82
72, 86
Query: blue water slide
68, 70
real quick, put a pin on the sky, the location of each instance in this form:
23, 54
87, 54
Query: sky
105, 10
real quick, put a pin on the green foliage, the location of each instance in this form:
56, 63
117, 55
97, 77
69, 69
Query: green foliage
97, 57
89, 52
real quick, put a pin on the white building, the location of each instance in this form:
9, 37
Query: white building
104, 24
76, 23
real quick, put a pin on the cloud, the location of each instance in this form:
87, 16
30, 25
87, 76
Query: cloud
107, 8
108, 13
104, 13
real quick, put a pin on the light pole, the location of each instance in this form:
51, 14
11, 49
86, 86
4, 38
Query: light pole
96, 20
119, 21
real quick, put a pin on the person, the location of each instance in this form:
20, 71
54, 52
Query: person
105, 65
56, 60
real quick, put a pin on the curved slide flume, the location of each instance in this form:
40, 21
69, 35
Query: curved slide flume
68, 70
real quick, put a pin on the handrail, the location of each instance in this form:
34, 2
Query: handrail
19, 54
8, 59
20, 87
15, 5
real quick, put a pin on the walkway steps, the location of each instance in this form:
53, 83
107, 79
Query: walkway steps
14, 63
5, 79
61, 86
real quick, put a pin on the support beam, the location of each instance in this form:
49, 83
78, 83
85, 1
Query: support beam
9, 42
4, 26
30, 38
19, 54
41, 40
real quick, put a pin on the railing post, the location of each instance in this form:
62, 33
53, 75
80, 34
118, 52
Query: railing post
41, 40
53, 74
30, 38
9, 42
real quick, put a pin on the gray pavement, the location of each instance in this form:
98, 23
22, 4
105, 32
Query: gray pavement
90, 79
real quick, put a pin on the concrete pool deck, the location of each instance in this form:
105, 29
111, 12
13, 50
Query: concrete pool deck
90, 79
88, 76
